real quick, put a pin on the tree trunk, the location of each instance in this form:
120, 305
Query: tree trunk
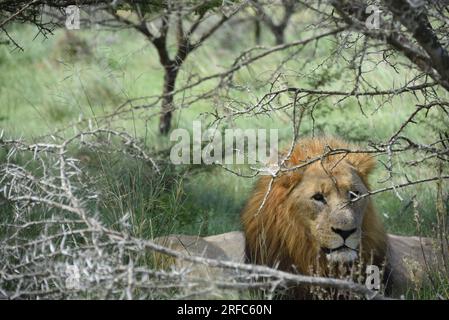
257, 31
278, 35
167, 100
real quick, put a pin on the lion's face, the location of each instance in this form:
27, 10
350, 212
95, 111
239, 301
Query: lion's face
323, 201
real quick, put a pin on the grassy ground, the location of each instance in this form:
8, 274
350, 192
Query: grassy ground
49, 85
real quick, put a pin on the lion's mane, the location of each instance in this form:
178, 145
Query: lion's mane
271, 236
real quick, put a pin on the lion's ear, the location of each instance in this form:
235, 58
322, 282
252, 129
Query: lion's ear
364, 163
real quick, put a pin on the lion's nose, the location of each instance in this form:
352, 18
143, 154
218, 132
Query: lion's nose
343, 233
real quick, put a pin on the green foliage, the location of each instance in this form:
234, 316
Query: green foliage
205, 6
148, 7
156, 6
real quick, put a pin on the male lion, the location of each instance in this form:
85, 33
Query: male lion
308, 223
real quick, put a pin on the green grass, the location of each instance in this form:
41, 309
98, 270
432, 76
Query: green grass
44, 87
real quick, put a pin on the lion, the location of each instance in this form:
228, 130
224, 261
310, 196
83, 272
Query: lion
311, 219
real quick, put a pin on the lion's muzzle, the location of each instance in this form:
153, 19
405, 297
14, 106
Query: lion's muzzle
346, 251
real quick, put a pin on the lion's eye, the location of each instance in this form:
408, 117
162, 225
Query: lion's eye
354, 194
319, 197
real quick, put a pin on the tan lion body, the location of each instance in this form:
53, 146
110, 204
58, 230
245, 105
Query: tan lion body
307, 215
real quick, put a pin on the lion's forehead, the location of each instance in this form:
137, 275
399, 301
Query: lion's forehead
326, 180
